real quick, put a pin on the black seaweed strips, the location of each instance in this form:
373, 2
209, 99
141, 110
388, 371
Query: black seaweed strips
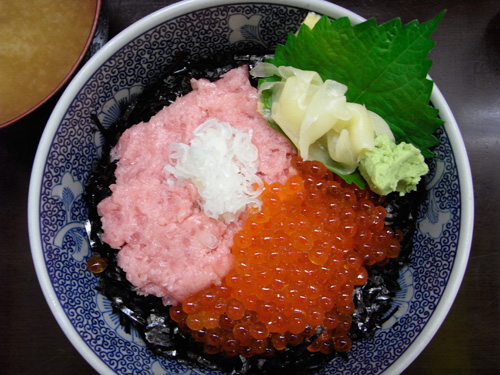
147, 314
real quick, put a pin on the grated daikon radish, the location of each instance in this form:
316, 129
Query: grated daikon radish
222, 162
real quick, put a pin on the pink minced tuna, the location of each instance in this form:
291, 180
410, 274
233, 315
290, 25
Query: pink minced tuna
168, 247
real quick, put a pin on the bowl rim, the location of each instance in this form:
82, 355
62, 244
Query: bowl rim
464, 242
173, 11
67, 77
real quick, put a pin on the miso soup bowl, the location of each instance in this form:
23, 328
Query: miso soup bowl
115, 74
68, 35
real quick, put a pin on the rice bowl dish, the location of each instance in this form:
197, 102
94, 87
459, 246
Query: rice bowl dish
66, 248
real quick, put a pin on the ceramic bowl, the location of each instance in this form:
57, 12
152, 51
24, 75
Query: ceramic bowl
126, 64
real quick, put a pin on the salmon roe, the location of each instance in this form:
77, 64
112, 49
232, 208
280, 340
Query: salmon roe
296, 263
96, 264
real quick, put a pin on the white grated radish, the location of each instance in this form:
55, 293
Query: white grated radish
222, 162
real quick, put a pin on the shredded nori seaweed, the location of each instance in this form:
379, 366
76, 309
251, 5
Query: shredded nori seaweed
150, 317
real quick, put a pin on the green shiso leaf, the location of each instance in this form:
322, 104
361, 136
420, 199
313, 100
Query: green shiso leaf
384, 67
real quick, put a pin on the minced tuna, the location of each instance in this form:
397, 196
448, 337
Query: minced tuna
168, 246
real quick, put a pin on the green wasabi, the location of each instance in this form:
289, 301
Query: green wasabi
389, 167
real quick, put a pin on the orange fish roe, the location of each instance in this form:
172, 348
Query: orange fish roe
296, 263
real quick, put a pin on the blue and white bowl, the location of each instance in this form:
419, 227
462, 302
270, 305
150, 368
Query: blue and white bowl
119, 71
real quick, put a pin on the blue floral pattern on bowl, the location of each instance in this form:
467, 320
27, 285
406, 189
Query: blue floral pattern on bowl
76, 144
245, 29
